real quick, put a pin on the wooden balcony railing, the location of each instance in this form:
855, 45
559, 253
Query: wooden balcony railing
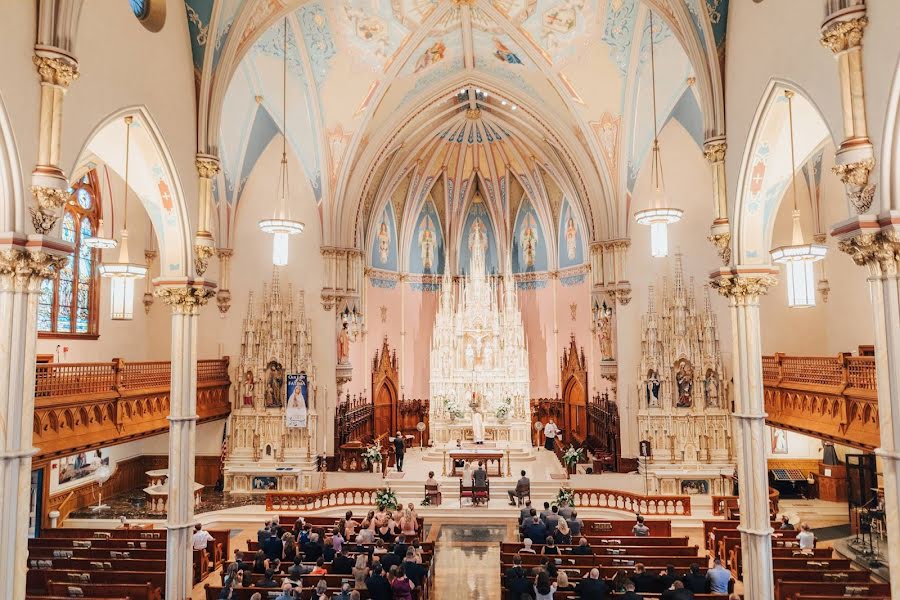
636, 503
298, 501
828, 397
81, 406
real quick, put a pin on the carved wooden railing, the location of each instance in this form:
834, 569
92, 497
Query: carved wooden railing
828, 397
604, 434
353, 420
410, 412
721, 505
636, 503
298, 501
81, 406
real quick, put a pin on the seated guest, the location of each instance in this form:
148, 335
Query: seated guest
630, 593
549, 546
592, 587
413, 570
552, 520
667, 577
227, 592
344, 594
417, 548
640, 529
575, 524
260, 562
360, 572
351, 524
400, 547
535, 530
525, 512
644, 581
298, 569
677, 593
562, 535
263, 534
565, 511
354, 595
239, 560
386, 531
806, 538
304, 534
547, 564
378, 586
408, 524
389, 559
365, 535
379, 548
298, 528
287, 592
523, 488
401, 585
480, 476
516, 581
321, 591
719, 578
342, 564
543, 589
231, 575
785, 524
527, 549
277, 530
562, 583
545, 512
532, 513
268, 580
201, 537
290, 547
695, 580
247, 581
582, 549
312, 551
319, 568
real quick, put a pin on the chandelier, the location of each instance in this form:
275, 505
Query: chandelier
123, 272
281, 226
798, 258
353, 319
657, 216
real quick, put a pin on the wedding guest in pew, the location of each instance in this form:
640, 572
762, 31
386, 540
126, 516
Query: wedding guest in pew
667, 577
239, 560
263, 534
806, 539
695, 580
277, 529
344, 594
377, 584
413, 570
644, 582
409, 523
260, 562
527, 546
289, 552
400, 547
719, 578
562, 583
379, 548
678, 592
226, 593
575, 524
516, 581
269, 580
342, 564
354, 595
545, 512
319, 568
298, 569
232, 574
401, 585
321, 591
592, 587
298, 528
536, 530
366, 534
273, 548
543, 589
565, 511
640, 529
630, 594
563, 534
388, 560
582, 549
417, 548
312, 551
785, 524
528, 520
552, 519
201, 537
547, 565
351, 523
525, 512
549, 546
360, 572
287, 592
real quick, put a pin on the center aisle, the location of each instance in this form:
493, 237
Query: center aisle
466, 559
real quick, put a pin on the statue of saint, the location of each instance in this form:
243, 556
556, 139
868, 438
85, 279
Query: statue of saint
344, 346
652, 388
470, 356
247, 386
274, 384
529, 242
684, 384
604, 332
711, 388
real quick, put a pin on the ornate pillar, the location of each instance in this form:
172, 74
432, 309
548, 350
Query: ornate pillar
743, 286
149, 257
842, 33
608, 268
204, 245
874, 242
185, 297
57, 70
720, 231
24, 263
223, 296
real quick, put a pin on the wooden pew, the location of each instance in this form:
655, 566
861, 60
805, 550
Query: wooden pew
43, 542
609, 541
788, 590
87, 564
107, 590
606, 527
581, 562
40, 578
834, 576
826, 564
97, 554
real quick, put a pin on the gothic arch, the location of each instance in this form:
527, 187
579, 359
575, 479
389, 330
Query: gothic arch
889, 198
12, 187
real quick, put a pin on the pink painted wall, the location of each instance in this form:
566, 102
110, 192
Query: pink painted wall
419, 309
538, 318
580, 326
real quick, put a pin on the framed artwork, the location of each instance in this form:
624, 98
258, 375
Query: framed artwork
779, 441
80, 466
694, 486
265, 483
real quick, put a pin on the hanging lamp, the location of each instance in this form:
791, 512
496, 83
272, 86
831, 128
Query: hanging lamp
798, 258
123, 272
100, 241
281, 226
657, 216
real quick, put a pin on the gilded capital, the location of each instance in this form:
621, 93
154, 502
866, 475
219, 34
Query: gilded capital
46, 213
741, 286
202, 254
224, 253
23, 270
877, 251
722, 242
187, 299
715, 151
54, 70
855, 176
207, 166
843, 35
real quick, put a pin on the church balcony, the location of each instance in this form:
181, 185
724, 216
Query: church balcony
834, 398
83, 406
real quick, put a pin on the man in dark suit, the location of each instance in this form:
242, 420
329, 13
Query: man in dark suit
273, 548
523, 488
263, 534
630, 593
342, 564
479, 477
582, 549
377, 584
389, 560
535, 530
414, 571
525, 512
312, 551
677, 593
592, 587
552, 520
516, 581
399, 450
400, 547
268, 580
644, 581
695, 580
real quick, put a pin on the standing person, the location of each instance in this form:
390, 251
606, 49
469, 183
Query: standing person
399, 450
550, 433
575, 524
201, 537
695, 580
516, 581
592, 587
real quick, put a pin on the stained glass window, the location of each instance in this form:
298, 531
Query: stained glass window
68, 304
140, 8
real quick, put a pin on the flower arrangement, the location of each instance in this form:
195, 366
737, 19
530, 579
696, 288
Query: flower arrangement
386, 499
565, 495
372, 454
452, 408
426, 501
504, 409
573, 455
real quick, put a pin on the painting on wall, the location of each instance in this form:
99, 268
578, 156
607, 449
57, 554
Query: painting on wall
571, 243
80, 466
779, 441
426, 252
384, 241
477, 224
529, 249
694, 486
431, 56
265, 483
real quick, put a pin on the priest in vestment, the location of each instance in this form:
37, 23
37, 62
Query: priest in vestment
477, 427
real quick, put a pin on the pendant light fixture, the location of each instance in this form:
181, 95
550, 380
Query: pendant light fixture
657, 216
798, 258
281, 226
101, 241
123, 272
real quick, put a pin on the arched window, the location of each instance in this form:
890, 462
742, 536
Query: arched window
68, 305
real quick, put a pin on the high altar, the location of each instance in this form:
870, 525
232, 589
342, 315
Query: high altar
683, 410
263, 452
479, 362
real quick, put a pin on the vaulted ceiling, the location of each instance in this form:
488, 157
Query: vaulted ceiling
368, 79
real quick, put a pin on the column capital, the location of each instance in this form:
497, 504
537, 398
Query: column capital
204, 248
224, 253
743, 282
872, 241
714, 149
855, 176
184, 295
843, 32
47, 202
207, 165
26, 261
54, 67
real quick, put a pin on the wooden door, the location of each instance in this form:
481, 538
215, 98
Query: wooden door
385, 410
575, 401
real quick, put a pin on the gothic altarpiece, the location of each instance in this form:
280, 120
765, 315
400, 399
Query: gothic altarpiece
263, 452
683, 410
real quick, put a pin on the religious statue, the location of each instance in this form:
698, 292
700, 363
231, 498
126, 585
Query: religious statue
470, 356
344, 345
711, 388
274, 384
426, 243
684, 384
477, 422
604, 331
477, 237
571, 238
779, 441
384, 242
653, 388
529, 242
248, 385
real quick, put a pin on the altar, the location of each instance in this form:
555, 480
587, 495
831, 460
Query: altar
479, 361
252, 478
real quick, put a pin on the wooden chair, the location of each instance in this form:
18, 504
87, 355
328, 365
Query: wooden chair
478, 494
433, 493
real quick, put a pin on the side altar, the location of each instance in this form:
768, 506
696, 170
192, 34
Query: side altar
272, 426
683, 404
479, 361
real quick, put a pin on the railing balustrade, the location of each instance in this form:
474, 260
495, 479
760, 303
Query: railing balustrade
636, 503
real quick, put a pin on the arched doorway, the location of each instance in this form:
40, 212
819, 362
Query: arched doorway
385, 383
574, 389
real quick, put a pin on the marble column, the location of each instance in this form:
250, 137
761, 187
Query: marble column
743, 286
842, 33
874, 242
24, 263
720, 231
223, 296
185, 298
56, 69
204, 245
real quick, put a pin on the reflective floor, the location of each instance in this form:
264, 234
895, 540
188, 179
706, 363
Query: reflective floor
467, 559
